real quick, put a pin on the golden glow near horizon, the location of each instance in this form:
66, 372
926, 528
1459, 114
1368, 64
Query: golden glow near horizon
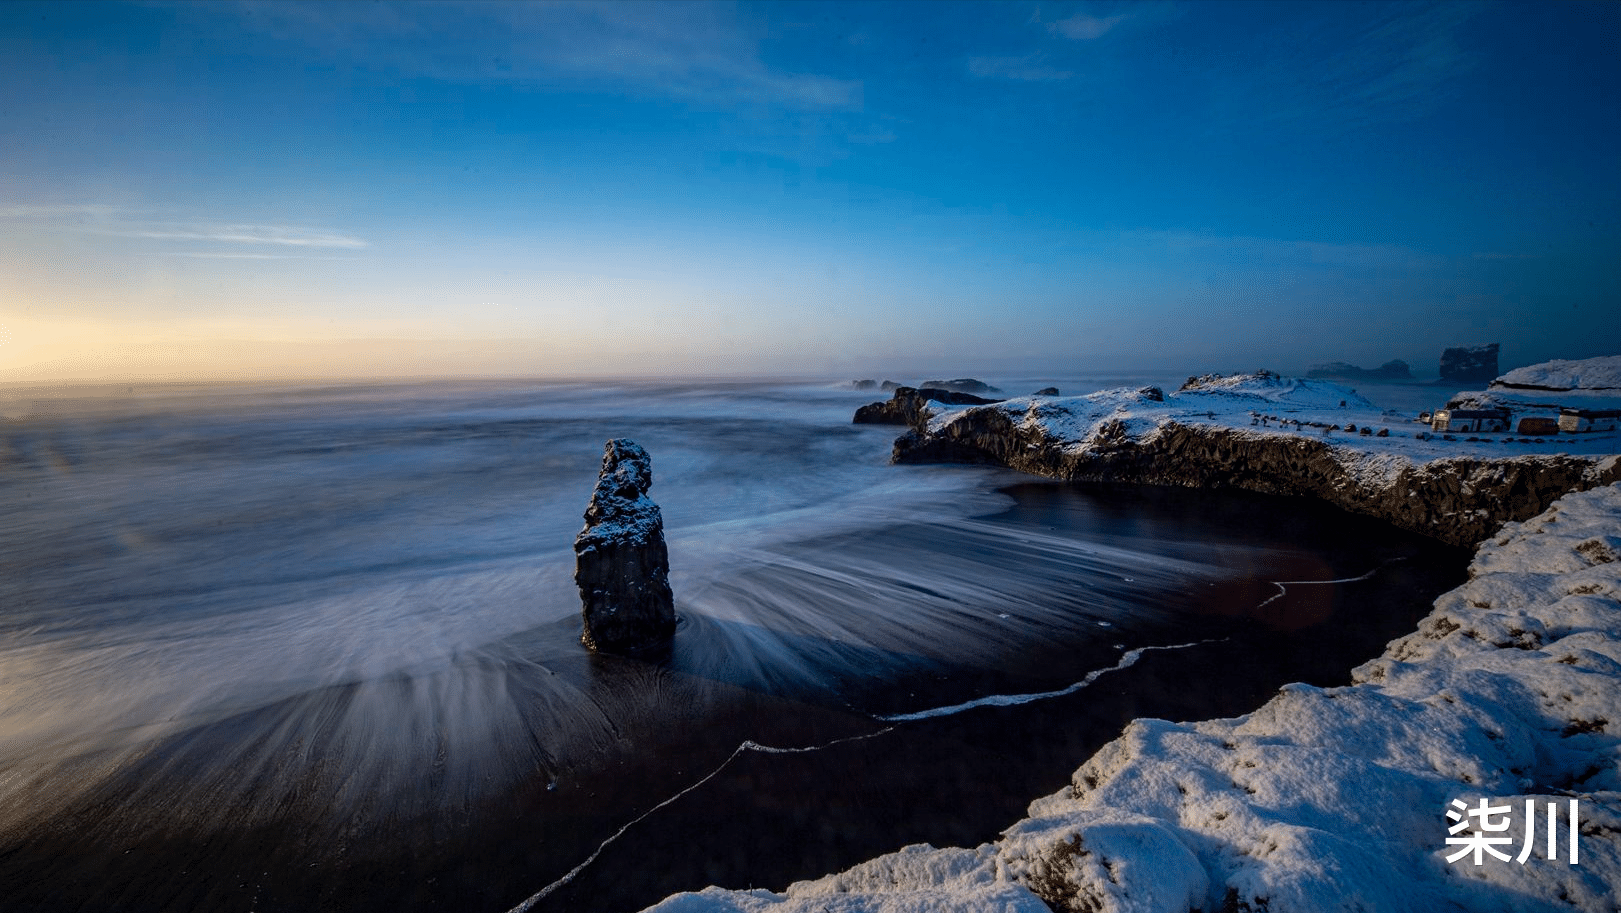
182, 348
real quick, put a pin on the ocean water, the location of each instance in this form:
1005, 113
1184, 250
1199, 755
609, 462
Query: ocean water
316, 647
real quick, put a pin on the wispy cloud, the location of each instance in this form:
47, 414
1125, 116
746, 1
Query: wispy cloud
1083, 27
700, 51
1029, 68
226, 255
60, 211
1091, 24
122, 222
280, 235
1399, 64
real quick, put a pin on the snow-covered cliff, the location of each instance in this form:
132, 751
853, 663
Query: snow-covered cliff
1279, 435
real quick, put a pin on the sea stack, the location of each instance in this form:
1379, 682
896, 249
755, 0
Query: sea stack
621, 564
1470, 365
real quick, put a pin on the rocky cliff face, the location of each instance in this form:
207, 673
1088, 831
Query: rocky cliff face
1459, 500
621, 564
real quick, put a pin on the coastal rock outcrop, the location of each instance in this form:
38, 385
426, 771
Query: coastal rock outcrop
1459, 500
1126, 436
1469, 365
621, 564
909, 406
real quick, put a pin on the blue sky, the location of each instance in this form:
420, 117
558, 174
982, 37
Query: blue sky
269, 189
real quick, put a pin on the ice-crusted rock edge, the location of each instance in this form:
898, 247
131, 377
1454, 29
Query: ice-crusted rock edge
1331, 799
1272, 434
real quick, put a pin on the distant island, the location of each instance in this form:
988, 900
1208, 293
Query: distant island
1395, 369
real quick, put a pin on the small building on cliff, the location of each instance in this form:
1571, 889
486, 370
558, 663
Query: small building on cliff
1469, 420
1578, 420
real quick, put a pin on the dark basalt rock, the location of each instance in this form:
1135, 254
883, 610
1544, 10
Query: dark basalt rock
1469, 365
621, 564
1460, 501
960, 385
909, 406
1047, 391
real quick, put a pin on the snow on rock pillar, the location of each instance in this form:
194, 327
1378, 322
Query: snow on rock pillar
621, 565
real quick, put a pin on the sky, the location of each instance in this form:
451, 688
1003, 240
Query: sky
239, 189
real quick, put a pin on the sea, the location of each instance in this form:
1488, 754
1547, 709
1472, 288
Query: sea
293, 647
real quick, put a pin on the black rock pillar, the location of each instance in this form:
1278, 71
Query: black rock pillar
620, 562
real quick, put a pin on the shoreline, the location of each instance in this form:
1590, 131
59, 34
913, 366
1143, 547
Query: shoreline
1331, 798
1323, 798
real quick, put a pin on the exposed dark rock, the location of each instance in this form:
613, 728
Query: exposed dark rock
1395, 369
889, 385
960, 385
1153, 394
1470, 365
621, 564
1461, 500
909, 406
1047, 391
865, 384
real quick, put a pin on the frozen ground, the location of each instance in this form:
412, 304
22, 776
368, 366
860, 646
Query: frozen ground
1336, 799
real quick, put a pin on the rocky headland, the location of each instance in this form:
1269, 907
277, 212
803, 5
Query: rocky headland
1272, 434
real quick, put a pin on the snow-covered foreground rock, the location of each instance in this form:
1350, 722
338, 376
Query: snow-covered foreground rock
1336, 799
